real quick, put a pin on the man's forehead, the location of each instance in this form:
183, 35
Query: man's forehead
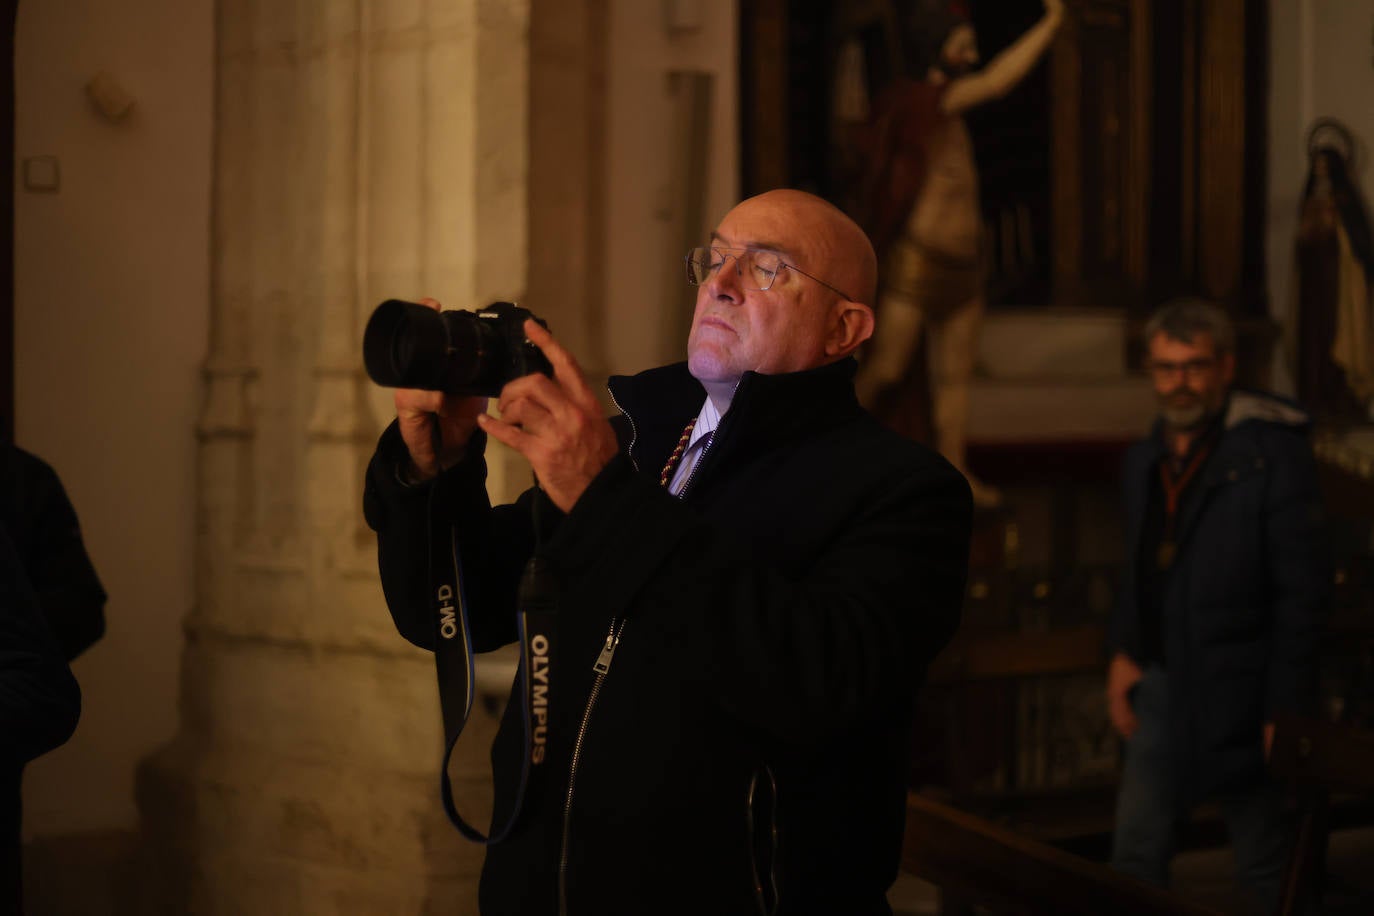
1202, 340
756, 242
788, 231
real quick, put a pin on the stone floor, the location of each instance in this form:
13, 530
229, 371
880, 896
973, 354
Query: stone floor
1204, 876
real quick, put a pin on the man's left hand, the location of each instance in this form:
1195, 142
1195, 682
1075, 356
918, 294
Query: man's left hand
556, 423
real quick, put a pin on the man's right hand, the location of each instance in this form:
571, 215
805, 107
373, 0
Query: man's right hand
1122, 674
417, 413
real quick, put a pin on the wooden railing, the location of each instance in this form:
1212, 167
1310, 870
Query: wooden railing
977, 861
1311, 760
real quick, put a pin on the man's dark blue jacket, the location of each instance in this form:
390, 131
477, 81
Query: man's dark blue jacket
1247, 594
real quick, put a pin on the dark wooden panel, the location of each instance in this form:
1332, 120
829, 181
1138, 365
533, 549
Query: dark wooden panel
764, 104
1072, 650
1308, 751
1040, 462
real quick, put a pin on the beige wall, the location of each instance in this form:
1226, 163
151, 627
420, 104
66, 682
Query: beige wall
111, 304
1320, 66
642, 197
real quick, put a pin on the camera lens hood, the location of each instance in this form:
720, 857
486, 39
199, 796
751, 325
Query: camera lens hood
405, 346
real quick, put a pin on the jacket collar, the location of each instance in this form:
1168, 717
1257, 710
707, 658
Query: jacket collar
765, 408
1242, 406
1230, 453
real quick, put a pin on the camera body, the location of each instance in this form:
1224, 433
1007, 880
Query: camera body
406, 345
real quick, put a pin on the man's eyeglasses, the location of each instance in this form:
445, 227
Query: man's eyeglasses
1193, 368
756, 267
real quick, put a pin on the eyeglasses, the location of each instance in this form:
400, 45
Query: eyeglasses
1193, 368
757, 267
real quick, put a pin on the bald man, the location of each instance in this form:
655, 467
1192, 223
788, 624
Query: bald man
752, 575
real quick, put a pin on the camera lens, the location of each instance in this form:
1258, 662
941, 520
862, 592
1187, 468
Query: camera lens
404, 346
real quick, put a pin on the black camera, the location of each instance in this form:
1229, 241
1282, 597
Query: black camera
407, 345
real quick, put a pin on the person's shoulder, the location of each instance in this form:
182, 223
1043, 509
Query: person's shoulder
883, 450
30, 484
1143, 451
1249, 406
1262, 417
1142, 447
25, 465
1268, 427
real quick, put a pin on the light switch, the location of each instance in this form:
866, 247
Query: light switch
42, 173
682, 15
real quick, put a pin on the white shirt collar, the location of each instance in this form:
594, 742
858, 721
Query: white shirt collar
707, 421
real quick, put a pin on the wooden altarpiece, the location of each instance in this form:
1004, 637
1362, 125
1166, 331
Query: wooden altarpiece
1148, 127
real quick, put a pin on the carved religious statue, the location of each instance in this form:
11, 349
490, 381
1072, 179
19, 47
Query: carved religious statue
1335, 261
920, 202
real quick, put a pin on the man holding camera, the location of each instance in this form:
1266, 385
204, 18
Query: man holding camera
752, 575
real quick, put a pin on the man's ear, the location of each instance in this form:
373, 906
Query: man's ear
852, 325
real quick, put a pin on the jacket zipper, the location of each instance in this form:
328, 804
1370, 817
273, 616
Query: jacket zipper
701, 459
634, 430
725, 420
601, 667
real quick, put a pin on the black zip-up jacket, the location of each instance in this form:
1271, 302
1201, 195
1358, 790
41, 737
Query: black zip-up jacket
39, 703
34, 508
779, 614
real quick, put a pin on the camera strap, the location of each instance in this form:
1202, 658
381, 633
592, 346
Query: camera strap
454, 659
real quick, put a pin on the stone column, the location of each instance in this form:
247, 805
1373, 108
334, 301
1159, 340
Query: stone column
365, 149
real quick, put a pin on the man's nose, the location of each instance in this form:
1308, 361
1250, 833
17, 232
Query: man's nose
726, 282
